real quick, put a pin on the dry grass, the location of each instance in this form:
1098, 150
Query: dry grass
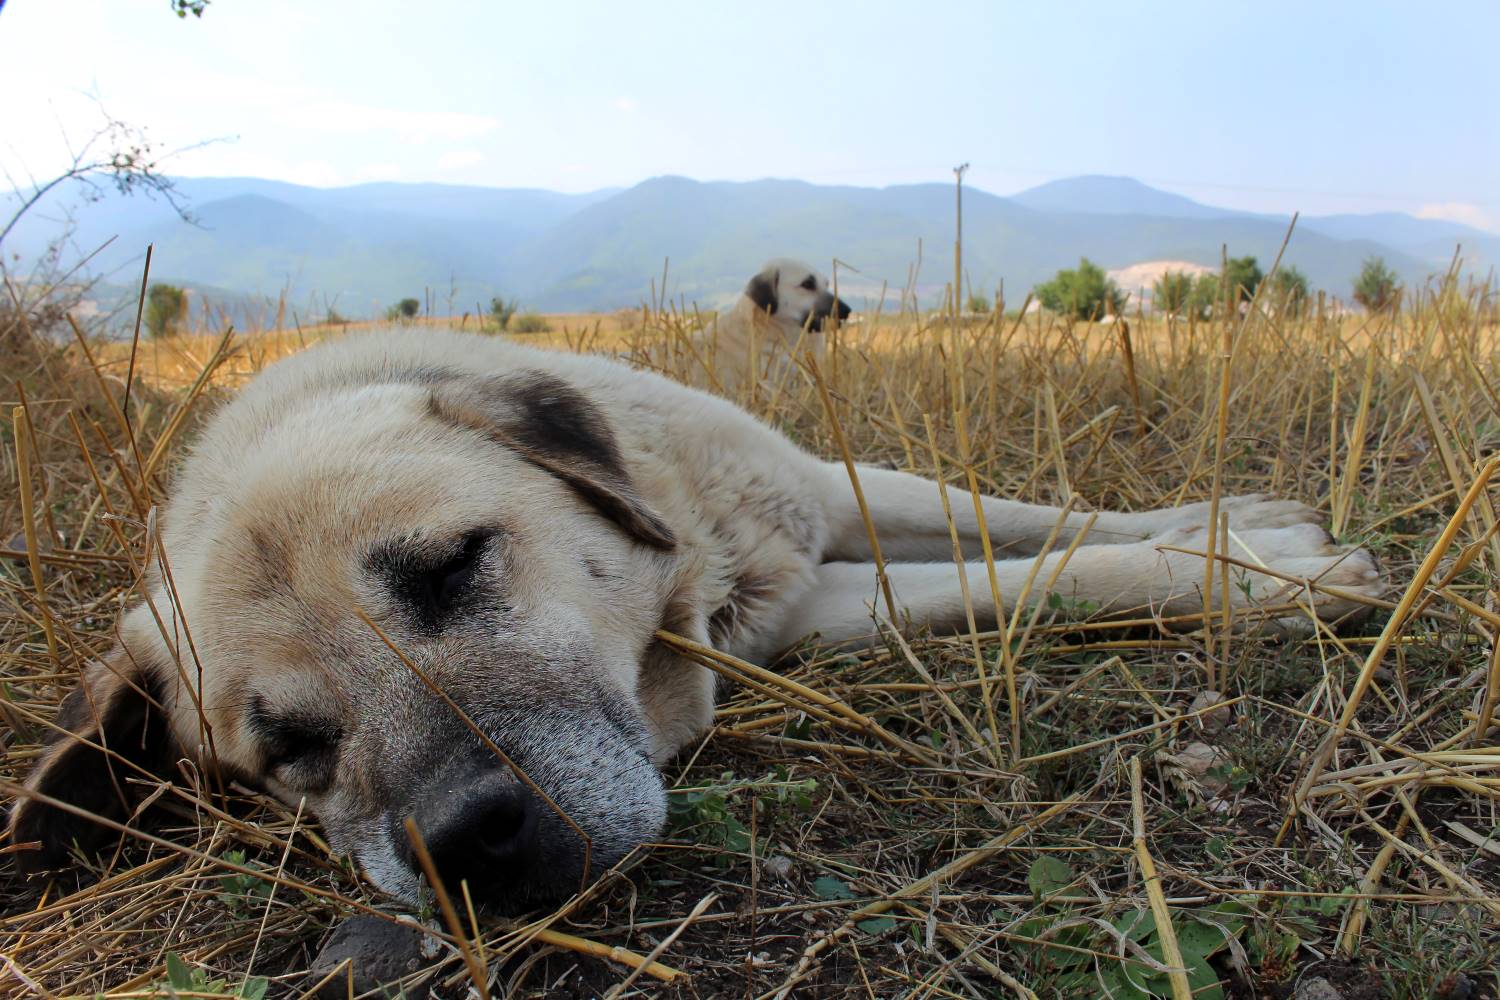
1000, 815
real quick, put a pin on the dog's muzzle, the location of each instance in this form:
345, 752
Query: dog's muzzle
828, 305
480, 824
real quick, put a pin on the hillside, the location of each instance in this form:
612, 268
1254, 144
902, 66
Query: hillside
359, 248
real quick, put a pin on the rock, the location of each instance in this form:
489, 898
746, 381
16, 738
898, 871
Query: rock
1195, 761
1316, 988
1214, 718
382, 951
1455, 987
778, 867
1198, 758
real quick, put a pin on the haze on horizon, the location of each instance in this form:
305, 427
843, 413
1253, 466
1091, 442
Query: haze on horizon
1279, 107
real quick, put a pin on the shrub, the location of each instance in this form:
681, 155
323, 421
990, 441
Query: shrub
404, 310
1206, 296
977, 304
1172, 292
1245, 276
501, 311
1376, 287
166, 308
530, 322
1290, 286
1083, 293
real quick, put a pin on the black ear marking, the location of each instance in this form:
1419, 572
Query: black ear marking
558, 420
762, 291
116, 708
553, 425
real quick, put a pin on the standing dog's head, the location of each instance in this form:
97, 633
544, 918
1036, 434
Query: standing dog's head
794, 294
418, 594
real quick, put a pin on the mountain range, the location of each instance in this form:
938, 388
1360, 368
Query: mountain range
358, 249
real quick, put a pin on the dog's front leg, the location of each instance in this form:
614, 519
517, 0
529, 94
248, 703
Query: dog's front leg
1162, 577
907, 511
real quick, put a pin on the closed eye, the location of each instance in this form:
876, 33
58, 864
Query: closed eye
300, 751
431, 587
445, 582
809, 283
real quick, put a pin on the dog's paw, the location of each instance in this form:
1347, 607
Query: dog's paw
1304, 568
1248, 512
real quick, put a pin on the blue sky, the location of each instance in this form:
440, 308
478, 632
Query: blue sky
1315, 106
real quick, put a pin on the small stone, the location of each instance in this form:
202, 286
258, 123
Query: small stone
1198, 759
1456, 987
778, 867
1212, 718
18, 544
381, 952
1316, 988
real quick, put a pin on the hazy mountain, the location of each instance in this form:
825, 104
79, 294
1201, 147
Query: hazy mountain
357, 249
1427, 239
1114, 196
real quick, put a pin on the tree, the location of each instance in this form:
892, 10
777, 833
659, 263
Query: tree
166, 308
1084, 293
1172, 292
1376, 287
406, 309
1290, 288
1245, 276
1206, 296
502, 309
182, 8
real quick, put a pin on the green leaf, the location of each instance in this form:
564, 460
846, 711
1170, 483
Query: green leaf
798, 729
177, 972
877, 925
255, 988
1137, 925
829, 887
1202, 977
1199, 938
1048, 875
735, 835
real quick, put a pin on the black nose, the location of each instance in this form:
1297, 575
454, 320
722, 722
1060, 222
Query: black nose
480, 825
844, 309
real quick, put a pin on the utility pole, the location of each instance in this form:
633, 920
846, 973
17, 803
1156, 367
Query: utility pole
958, 240
958, 284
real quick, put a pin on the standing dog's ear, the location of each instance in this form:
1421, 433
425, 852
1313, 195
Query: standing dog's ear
551, 424
110, 728
763, 290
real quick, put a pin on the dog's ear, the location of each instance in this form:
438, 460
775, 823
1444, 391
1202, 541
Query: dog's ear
553, 425
110, 728
763, 290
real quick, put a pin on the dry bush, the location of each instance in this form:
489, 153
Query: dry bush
1331, 820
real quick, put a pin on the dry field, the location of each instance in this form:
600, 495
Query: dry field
1062, 808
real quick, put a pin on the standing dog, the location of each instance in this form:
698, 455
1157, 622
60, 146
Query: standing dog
420, 576
781, 313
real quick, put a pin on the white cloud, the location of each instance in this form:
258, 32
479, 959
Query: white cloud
458, 159
629, 105
1466, 212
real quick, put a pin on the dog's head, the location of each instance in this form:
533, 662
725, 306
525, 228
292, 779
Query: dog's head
426, 596
795, 294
